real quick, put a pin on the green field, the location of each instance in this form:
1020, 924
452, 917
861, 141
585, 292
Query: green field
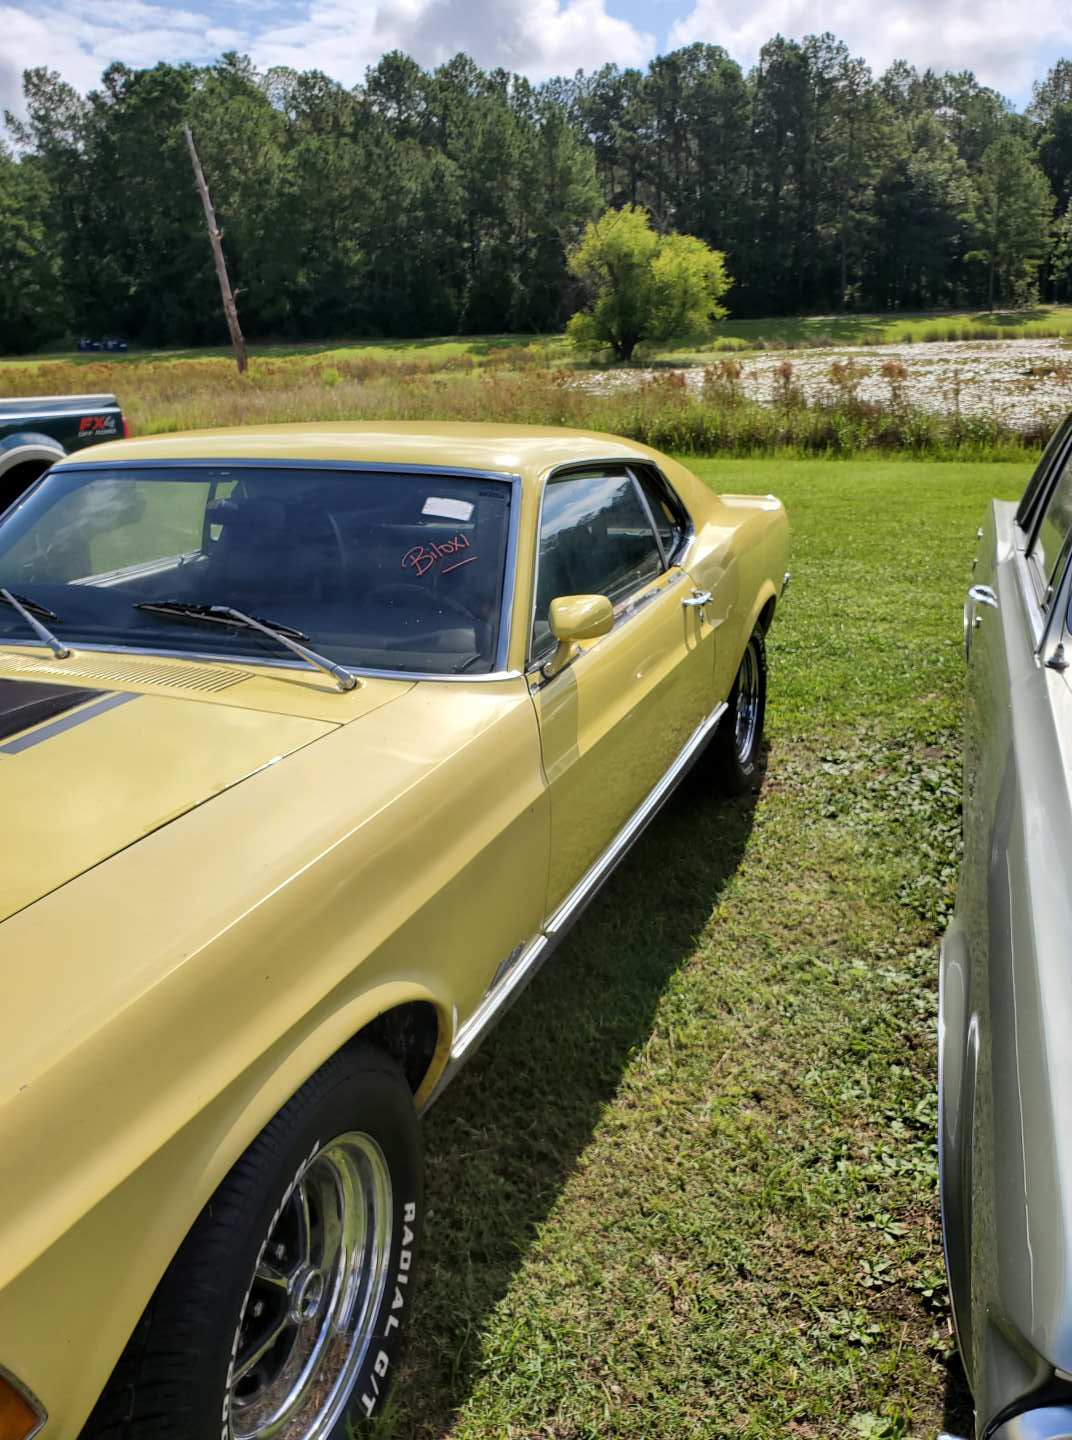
688, 1187
737, 335
890, 329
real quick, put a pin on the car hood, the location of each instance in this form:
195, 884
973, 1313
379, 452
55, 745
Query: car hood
86, 769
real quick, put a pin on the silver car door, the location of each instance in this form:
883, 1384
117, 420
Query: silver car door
1002, 1186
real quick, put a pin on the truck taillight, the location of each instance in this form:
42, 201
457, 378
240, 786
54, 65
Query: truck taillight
126, 429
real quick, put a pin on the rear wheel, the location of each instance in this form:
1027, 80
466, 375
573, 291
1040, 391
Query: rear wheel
736, 748
282, 1312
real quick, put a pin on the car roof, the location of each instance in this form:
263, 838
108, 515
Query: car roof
525, 450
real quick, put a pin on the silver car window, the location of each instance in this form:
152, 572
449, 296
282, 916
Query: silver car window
1036, 486
595, 539
1052, 532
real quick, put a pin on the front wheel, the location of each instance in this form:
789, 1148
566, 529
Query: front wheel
736, 748
282, 1312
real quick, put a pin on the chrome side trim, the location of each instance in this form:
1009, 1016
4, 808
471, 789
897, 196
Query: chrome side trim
502, 995
496, 1000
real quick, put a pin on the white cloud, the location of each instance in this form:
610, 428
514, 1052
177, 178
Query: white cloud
80, 38
80, 42
536, 37
989, 37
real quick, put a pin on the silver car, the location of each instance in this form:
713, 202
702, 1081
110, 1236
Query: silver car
1005, 1010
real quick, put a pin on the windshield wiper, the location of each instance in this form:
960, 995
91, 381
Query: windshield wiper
28, 609
227, 615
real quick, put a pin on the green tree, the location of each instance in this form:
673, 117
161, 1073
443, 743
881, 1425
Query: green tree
1013, 220
31, 308
923, 211
1061, 256
641, 285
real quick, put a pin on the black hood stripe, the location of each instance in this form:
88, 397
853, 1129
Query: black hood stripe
25, 703
66, 722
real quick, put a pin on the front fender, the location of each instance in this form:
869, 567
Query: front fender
396, 859
65, 1319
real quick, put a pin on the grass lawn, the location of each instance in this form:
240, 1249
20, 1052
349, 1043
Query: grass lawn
738, 335
1036, 321
435, 350
688, 1187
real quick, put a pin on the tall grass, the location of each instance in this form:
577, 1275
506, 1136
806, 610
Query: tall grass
662, 411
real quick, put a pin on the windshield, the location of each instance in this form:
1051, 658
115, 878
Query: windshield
380, 570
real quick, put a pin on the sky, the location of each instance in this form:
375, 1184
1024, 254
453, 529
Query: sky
536, 37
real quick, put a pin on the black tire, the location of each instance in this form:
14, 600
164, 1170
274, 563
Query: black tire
174, 1380
736, 749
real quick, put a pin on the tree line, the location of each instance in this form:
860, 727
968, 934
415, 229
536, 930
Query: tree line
448, 201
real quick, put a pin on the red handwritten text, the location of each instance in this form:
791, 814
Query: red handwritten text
422, 557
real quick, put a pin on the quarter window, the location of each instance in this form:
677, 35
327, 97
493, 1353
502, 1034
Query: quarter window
1051, 459
667, 518
595, 539
1054, 528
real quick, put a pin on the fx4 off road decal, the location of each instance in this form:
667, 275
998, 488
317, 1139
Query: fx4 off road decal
382, 1362
98, 425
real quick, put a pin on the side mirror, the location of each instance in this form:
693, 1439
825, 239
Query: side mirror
573, 618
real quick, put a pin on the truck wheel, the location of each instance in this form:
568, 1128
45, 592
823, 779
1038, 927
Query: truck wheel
736, 747
282, 1312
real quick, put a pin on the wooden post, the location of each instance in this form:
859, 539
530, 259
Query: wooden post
230, 310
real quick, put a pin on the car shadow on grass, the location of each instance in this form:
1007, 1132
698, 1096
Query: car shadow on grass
507, 1136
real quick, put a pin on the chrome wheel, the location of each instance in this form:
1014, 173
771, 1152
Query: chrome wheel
306, 1319
748, 701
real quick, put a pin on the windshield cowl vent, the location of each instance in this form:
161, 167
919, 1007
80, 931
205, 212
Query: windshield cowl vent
125, 670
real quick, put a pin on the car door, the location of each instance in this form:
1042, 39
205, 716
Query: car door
1005, 972
615, 717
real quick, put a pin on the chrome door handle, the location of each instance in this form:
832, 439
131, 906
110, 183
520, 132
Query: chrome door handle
983, 595
977, 595
697, 600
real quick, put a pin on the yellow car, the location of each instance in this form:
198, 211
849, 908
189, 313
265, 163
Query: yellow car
314, 740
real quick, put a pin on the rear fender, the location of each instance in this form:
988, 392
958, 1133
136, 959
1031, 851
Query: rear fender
28, 445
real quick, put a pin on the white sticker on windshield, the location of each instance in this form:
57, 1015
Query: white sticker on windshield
441, 507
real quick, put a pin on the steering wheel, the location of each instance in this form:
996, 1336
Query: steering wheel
339, 546
427, 597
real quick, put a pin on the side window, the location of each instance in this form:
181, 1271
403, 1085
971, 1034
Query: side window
664, 512
1037, 483
595, 539
1054, 528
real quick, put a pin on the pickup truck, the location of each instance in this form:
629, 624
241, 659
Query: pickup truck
36, 432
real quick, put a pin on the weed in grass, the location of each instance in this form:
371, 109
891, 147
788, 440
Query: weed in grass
895, 373
728, 408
